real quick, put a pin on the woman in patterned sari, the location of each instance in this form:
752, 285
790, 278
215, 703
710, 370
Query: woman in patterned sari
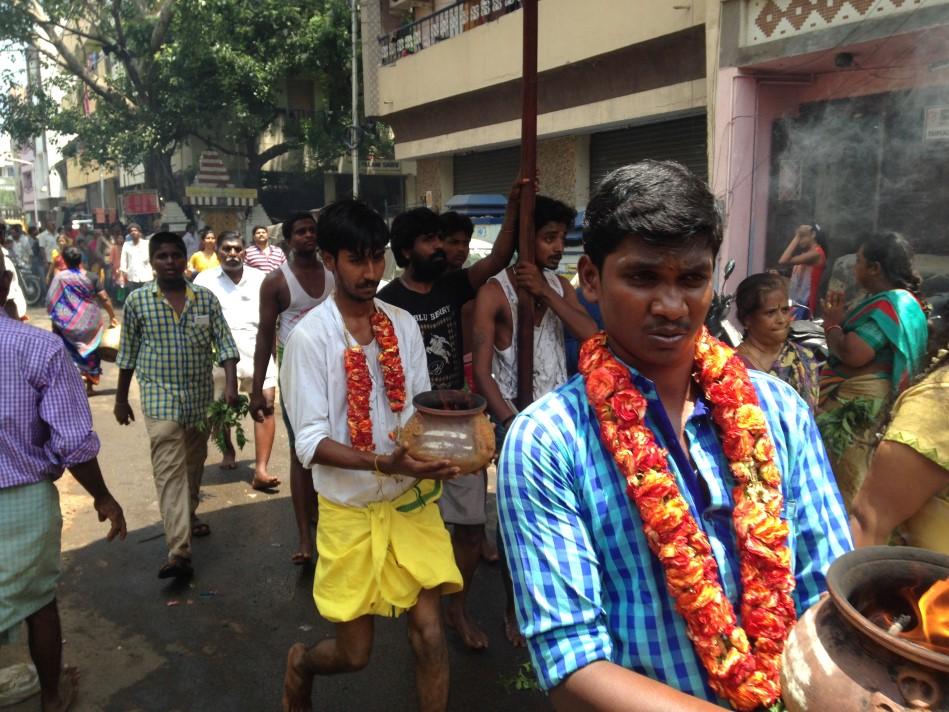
73, 302
875, 349
764, 309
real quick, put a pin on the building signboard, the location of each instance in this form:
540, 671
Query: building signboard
141, 202
937, 123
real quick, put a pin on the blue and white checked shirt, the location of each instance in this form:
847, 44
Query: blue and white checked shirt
586, 585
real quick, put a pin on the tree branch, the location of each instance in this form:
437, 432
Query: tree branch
124, 55
161, 27
220, 147
277, 149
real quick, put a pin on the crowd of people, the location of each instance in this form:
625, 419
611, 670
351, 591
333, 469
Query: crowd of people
664, 515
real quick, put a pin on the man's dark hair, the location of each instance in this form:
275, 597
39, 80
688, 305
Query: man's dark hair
287, 227
661, 202
451, 222
409, 225
261, 227
349, 224
72, 256
547, 210
165, 238
129, 227
228, 235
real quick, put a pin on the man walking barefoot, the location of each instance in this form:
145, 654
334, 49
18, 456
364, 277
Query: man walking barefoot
350, 372
287, 294
237, 288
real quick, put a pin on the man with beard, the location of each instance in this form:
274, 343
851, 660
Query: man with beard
349, 374
435, 297
237, 288
495, 336
172, 332
287, 294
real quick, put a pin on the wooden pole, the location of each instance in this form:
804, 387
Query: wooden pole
525, 302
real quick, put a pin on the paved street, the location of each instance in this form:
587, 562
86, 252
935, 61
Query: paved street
218, 643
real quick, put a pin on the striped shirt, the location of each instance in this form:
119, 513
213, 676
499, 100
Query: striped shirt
586, 585
173, 354
45, 423
265, 260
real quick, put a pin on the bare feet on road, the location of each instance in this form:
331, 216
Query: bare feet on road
229, 461
297, 683
68, 688
512, 631
471, 635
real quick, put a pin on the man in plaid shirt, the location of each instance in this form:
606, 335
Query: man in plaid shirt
171, 334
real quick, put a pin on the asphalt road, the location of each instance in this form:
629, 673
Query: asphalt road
219, 642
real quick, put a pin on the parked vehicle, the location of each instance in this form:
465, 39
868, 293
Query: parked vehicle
32, 283
717, 319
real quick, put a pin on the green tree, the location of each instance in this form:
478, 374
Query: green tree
175, 69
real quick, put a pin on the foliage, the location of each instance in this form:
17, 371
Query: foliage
221, 417
158, 72
844, 425
524, 678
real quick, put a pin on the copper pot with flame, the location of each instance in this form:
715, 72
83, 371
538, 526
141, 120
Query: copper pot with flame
879, 642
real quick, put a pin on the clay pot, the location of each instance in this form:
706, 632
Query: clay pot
450, 425
836, 659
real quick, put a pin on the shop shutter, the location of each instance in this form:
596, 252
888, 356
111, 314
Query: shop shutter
487, 171
683, 140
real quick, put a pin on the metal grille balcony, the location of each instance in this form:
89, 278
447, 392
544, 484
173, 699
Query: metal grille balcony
442, 25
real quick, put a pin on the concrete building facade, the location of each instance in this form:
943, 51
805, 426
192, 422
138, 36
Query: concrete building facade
618, 80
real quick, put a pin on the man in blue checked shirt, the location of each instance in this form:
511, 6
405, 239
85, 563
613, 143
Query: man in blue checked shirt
602, 629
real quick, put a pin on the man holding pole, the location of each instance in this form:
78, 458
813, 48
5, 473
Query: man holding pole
435, 297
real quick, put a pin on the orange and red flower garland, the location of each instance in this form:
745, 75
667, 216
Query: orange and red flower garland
359, 382
743, 663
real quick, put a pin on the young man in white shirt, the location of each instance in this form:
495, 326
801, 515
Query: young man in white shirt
135, 267
237, 288
373, 497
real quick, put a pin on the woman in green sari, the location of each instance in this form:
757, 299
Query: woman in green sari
875, 349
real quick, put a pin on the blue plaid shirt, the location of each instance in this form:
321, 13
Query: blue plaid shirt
586, 585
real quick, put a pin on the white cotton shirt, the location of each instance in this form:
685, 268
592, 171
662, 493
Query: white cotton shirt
240, 304
134, 261
313, 388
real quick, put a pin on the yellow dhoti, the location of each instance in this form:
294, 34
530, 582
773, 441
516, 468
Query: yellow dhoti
377, 559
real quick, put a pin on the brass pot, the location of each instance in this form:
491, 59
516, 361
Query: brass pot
450, 425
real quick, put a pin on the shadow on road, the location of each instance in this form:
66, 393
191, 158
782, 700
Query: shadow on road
219, 641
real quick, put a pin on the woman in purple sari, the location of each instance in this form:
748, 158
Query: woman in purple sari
73, 302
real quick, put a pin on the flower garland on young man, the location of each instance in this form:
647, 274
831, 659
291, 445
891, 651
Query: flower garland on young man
745, 673
359, 382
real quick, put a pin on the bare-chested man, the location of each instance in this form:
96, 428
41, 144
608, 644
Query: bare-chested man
289, 293
495, 334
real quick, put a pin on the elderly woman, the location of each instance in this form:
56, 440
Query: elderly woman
907, 487
764, 309
73, 303
875, 349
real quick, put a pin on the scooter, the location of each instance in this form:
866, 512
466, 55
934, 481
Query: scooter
809, 333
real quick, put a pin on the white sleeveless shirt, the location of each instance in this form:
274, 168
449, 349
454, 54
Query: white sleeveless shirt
550, 360
300, 302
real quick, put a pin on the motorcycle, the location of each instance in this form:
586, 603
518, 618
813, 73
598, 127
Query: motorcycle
717, 319
31, 282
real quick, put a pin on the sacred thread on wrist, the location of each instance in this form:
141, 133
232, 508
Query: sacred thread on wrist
375, 464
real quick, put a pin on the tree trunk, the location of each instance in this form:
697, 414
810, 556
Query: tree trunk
159, 176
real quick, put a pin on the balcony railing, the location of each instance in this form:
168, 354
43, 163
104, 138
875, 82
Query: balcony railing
442, 25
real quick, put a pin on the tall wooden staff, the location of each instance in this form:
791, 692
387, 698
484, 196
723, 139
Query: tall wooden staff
525, 301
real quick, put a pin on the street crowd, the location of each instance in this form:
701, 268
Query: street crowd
667, 505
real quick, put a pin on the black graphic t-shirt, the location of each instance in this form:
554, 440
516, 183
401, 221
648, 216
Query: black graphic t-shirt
438, 315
